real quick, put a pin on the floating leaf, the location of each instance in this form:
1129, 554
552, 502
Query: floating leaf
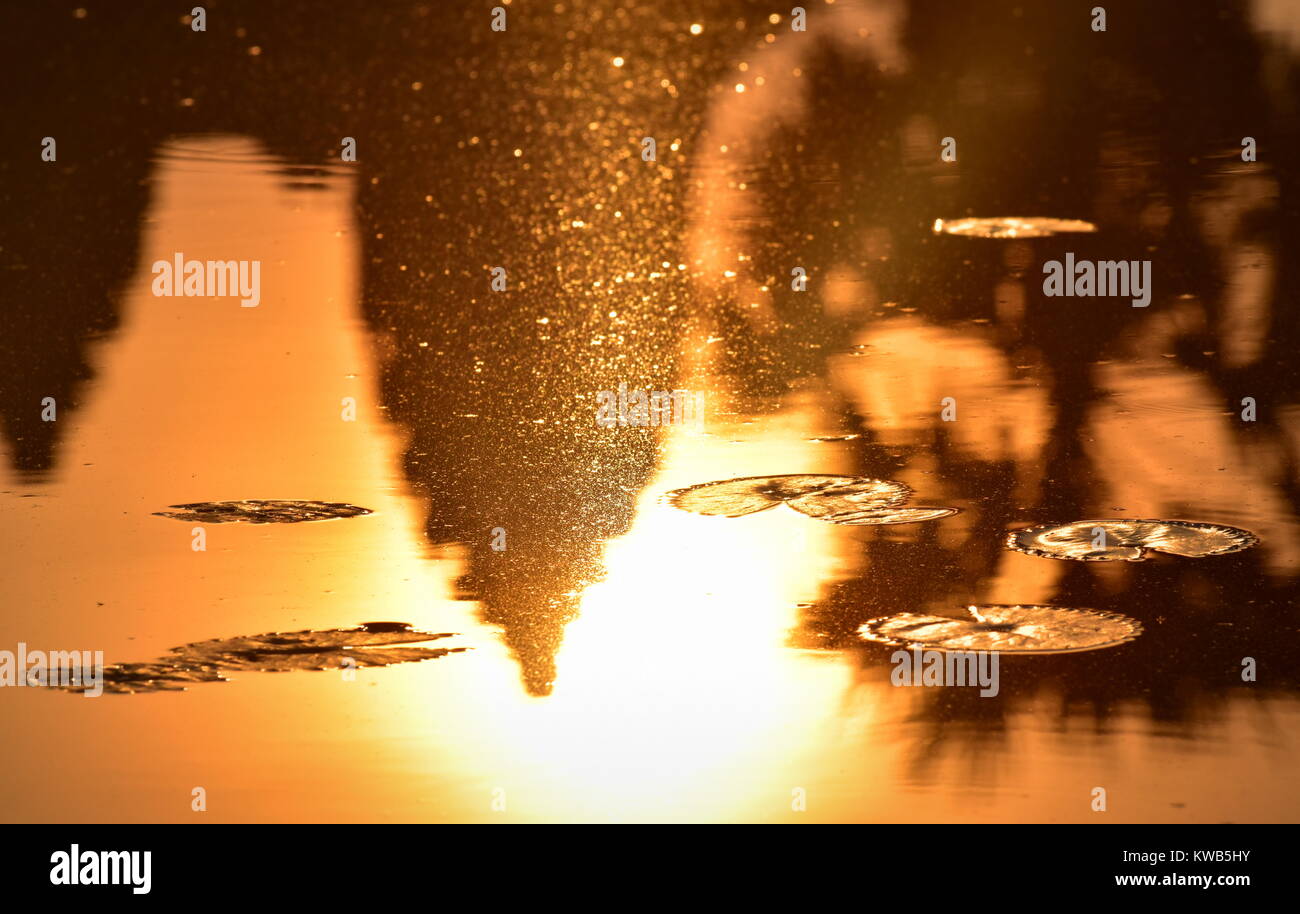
850, 515
1008, 629
1011, 227
204, 661
289, 642
310, 650
1129, 540
160, 676
281, 662
261, 511
806, 493
837, 499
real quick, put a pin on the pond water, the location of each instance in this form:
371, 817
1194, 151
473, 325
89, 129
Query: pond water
627, 658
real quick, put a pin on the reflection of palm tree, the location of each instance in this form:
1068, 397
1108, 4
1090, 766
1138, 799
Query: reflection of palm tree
1155, 671
909, 568
1099, 115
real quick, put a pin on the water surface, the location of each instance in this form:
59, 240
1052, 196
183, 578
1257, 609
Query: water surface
630, 661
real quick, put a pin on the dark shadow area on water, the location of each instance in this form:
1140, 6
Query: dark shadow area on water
1139, 132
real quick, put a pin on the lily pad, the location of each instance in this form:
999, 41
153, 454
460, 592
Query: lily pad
837, 499
1029, 629
261, 511
846, 513
1011, 227
310, 650
1129, 540
813, 495
369, 645
159, 676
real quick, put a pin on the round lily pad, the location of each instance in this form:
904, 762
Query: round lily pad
1129, 540
813, 495
1006, 628
845, 513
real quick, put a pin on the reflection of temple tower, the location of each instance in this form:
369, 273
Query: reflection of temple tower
556, 490
498, 388
70, 242
499, 400
70, 229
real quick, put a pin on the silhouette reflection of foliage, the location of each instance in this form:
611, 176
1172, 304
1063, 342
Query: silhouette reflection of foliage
837, 499
1029, 629
261, 511
1129, 540
205, 661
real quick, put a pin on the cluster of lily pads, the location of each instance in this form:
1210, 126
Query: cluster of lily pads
852, 500
368, 645
1028, 629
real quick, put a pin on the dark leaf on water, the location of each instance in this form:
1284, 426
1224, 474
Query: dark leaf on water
160, 676
385, 626
313, 650
370, 645
287, 643
277, 662
261, 511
